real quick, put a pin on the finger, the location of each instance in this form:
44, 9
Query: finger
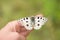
13, 36
26, 33
16, 36
11, 26
23, 29
40, 15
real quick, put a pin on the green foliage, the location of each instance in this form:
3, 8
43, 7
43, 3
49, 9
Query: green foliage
16, 9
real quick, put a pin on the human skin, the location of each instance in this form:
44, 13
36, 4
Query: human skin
14, 31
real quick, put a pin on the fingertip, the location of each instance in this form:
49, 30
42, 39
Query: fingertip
40, 15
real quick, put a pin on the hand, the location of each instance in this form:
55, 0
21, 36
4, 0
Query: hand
14, 31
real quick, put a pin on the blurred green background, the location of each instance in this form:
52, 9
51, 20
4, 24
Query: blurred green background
16, 9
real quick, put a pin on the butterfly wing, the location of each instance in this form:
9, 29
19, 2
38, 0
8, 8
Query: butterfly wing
39, 21
27, 23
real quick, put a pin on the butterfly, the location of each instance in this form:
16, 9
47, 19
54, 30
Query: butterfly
34, 22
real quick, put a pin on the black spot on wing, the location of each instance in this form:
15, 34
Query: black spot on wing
27, 24
27, 18
37, 17
38, 20
38, 24
41, 18
21, 20
26, 21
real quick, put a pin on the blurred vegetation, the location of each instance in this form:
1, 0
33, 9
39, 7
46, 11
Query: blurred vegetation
16, 9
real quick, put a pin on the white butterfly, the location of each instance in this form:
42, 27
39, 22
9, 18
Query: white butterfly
34, 22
